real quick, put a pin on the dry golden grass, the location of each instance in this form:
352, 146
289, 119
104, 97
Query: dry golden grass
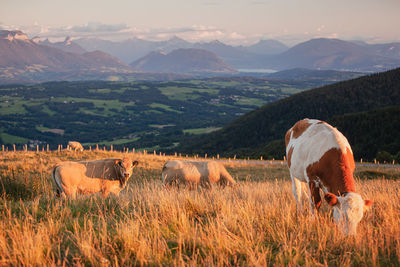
254, 223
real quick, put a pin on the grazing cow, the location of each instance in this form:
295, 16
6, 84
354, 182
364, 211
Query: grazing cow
75, 145
318, 154
202, 173
89, 177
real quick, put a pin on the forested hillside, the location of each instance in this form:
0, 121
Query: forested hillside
261, 132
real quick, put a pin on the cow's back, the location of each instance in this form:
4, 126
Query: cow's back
309, 141
100, 168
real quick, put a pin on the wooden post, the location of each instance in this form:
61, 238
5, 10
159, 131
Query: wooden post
90, 148
14, 147
133, 150
361, 160
205, 155
175, 154
160, 154
111, 148
217, 156
234, 157
261, 158
48, 148
97, 147
37, 148
2, 148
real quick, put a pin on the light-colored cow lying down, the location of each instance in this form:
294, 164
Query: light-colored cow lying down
202, 173
89, 177
318, 154
75, 145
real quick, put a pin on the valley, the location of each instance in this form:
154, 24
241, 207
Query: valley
142, 114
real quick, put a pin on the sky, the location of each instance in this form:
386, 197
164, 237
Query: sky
231, 21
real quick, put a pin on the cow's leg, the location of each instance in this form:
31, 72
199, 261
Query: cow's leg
315, 198
297, 190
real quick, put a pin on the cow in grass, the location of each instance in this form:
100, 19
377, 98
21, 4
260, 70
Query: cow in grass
319, 155
75, 146
89, 177
193, 173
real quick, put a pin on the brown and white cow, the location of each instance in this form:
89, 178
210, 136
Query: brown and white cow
203, 173
318, 154
89, 177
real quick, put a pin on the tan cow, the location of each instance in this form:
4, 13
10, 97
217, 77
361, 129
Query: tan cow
75, 145
202, 173
89, 177
319, 155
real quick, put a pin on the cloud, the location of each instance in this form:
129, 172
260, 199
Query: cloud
93, 27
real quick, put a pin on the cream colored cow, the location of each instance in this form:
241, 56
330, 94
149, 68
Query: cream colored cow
202, 173
89, 177
75, 145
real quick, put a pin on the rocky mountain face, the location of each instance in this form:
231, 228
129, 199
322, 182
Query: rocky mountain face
22, 59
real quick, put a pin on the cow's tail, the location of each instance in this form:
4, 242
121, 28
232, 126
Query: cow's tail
227, 177
59, 189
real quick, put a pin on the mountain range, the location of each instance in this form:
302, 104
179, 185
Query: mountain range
365, 109
32, 60
319, 53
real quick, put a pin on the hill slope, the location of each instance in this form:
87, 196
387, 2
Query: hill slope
261, 132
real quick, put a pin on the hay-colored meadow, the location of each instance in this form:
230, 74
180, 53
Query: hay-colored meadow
253, 224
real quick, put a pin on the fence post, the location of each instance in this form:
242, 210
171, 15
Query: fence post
261, 158
205, 155
111, 148
14, 147
2, 148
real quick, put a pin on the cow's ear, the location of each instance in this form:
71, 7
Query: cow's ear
135, 163
331, 199
367, 204
117, 161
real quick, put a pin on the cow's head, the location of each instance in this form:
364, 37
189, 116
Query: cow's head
125, 169
348, 210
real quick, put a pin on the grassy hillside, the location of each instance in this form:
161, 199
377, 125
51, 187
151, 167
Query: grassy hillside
254, 223
261, 132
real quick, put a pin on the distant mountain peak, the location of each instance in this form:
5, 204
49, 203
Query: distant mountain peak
183, 60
